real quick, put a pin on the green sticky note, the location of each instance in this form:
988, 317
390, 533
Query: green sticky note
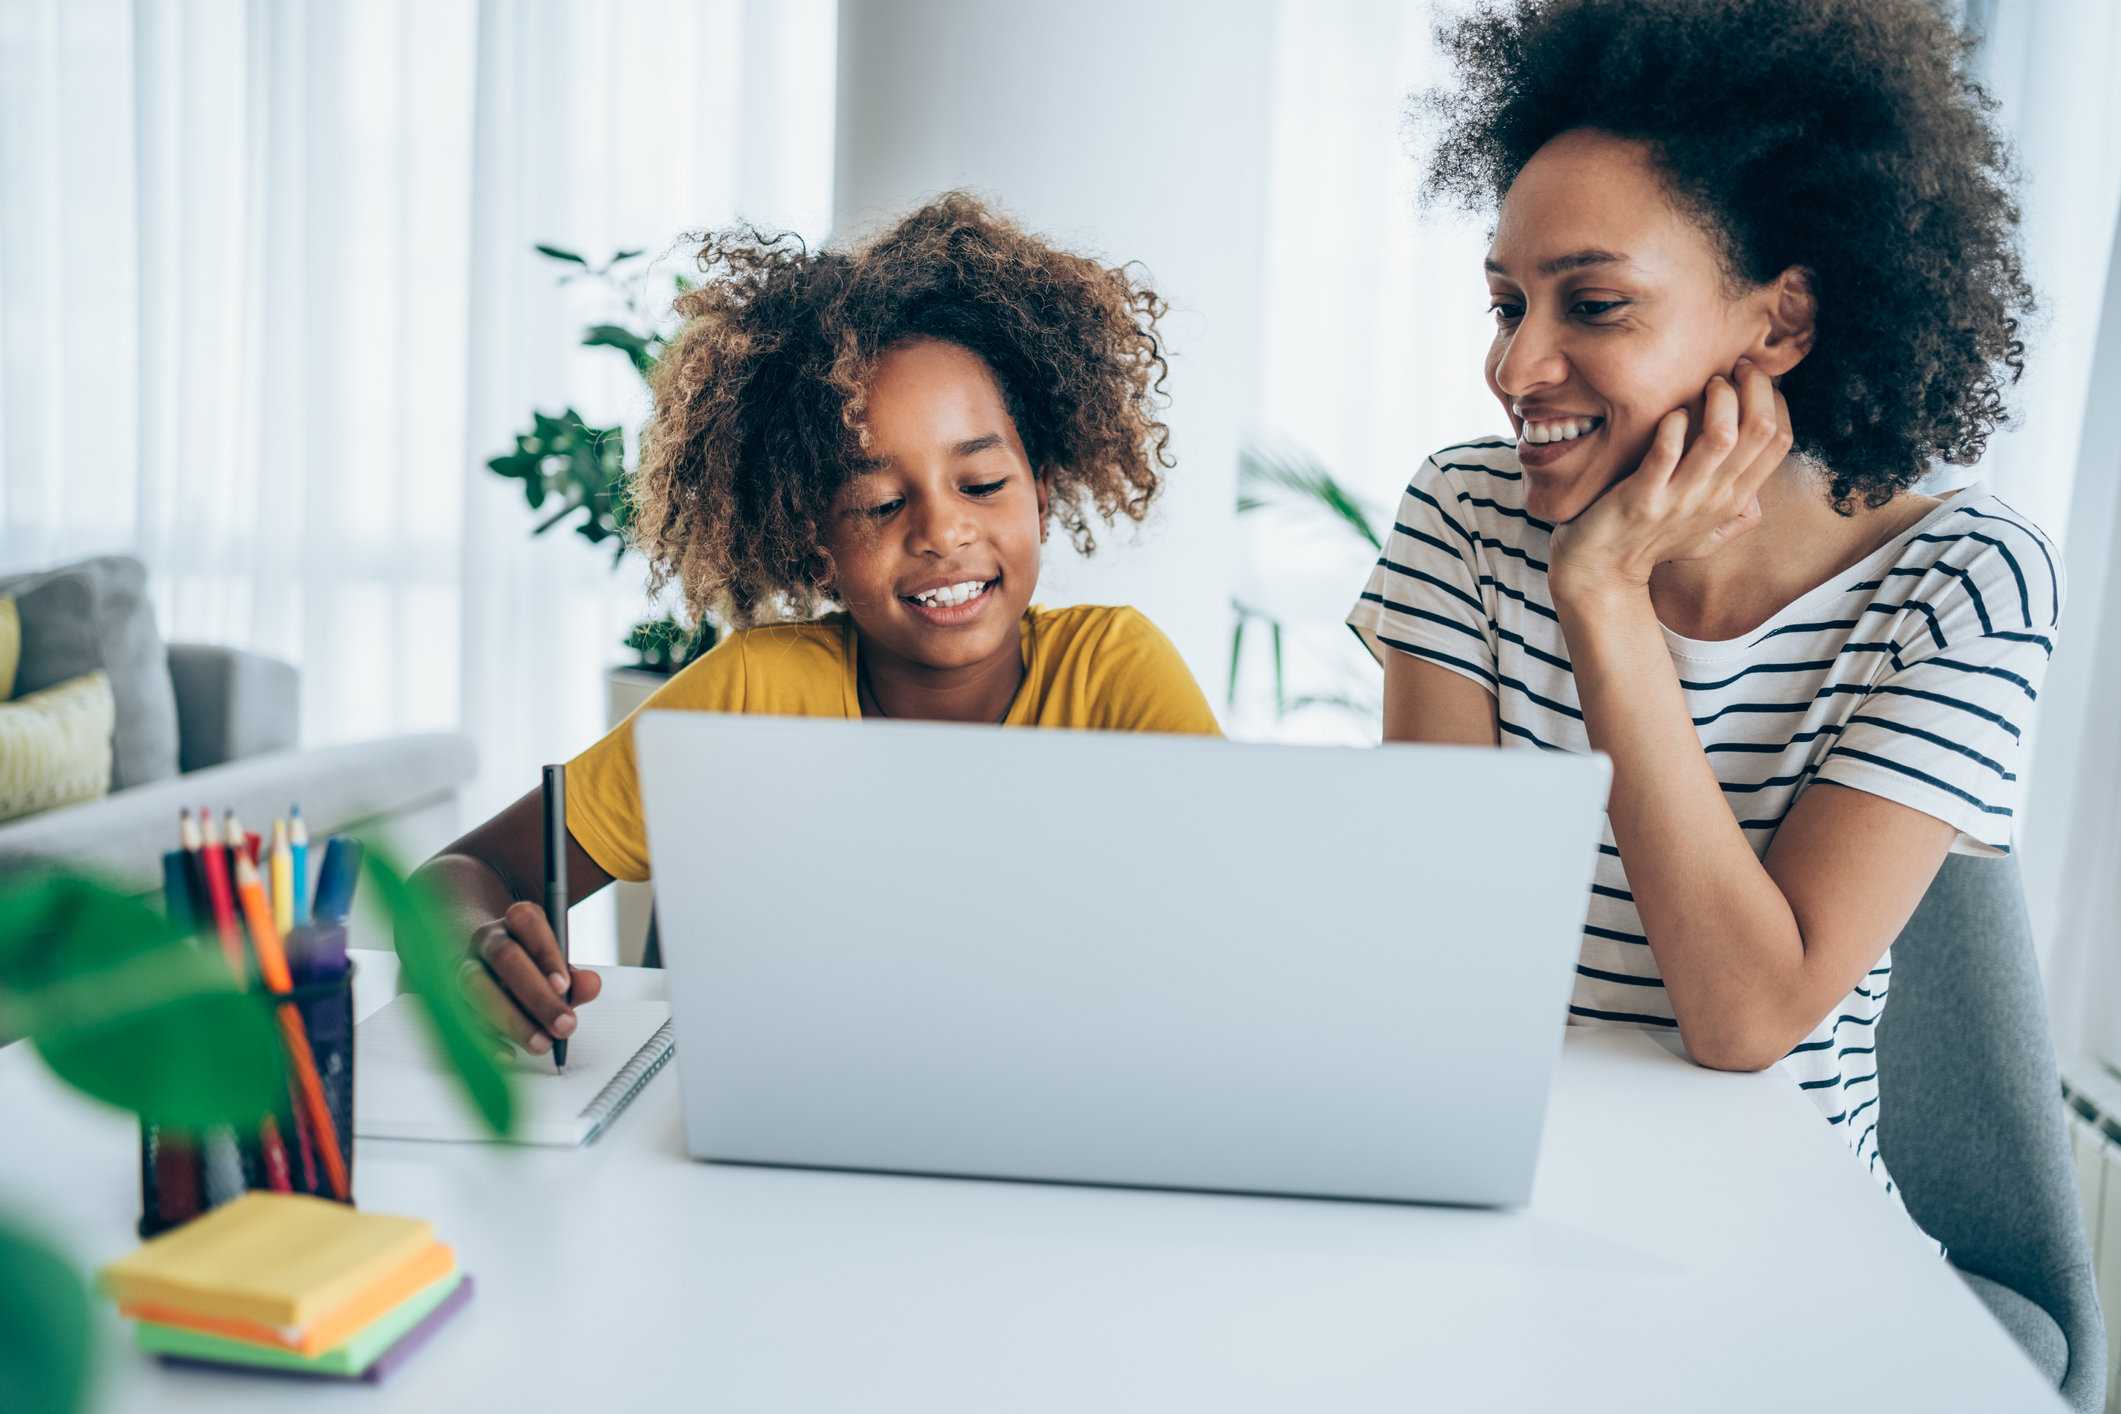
351, 1358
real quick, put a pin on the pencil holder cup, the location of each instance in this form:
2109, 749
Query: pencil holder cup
185, 1172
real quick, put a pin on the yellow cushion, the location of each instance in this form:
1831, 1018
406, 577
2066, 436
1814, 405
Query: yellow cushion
55, 745
10, 645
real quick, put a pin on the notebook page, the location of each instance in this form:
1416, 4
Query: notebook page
402, 1092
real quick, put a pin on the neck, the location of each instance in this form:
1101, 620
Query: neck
1800, 543
892, 686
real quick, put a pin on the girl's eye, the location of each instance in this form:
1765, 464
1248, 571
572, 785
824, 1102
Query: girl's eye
1592, 308
985, 488
880, 512
1506, 311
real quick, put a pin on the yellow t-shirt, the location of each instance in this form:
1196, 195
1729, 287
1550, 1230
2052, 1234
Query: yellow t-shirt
1087, 666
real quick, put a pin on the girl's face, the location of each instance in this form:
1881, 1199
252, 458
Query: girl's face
1612, 308
935, 546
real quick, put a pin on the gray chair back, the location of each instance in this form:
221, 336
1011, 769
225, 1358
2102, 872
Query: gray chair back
1971, 1124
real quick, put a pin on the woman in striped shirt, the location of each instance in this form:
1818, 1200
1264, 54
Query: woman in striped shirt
1753, 273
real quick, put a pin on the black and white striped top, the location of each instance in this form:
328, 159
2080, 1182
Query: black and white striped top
1910, 676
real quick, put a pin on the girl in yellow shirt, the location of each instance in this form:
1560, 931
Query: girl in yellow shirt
891, 428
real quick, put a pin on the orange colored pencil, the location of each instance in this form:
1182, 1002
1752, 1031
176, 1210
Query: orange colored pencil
272, 967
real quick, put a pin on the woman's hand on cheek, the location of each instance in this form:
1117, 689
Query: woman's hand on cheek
1682, 503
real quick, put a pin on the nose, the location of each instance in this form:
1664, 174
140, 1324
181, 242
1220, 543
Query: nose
941, 524
1531, 358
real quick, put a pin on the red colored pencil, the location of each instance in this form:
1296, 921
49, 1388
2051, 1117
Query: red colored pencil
213, 857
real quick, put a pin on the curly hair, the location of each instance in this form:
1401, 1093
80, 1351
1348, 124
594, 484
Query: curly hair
1846, 138
759, 399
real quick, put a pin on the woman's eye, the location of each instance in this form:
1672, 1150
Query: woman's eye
1506, 311
985, 488
1592, 308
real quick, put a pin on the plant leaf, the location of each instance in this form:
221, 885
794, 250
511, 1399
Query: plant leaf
1258, 467
636, 347
123, 1008
44, 1329
430, 965
555, 253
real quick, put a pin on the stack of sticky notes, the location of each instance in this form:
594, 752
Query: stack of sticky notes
286, 1282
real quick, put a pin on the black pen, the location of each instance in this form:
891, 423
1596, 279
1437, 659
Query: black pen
556, 878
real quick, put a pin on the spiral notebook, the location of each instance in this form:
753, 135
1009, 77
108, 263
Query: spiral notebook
401, 1091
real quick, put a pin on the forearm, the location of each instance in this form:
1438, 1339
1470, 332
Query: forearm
1726, 940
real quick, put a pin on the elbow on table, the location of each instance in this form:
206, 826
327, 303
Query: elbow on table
1729, 1047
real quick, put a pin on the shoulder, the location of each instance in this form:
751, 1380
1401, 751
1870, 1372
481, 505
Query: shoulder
2003, 568
1096, 627
1476, 486
752, 664
1109, 667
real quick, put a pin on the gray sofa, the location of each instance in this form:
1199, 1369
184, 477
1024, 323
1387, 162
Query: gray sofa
201, 725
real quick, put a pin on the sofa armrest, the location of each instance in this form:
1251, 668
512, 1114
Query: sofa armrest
231, 704
122, 836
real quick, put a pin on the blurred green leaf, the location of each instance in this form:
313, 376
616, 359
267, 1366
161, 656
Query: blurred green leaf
583, 467
636, 347
430, 962
1260, 469
123, 1008
555, 253
44, 1329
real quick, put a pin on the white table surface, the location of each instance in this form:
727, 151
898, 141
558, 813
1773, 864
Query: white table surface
1696, 1241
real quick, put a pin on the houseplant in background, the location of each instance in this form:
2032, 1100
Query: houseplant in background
1293, 487
124, 1008
580, 472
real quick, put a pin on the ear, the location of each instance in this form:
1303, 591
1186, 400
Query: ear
1044, 487
1791, 313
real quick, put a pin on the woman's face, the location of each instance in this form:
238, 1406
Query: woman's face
935, 546
1612, 308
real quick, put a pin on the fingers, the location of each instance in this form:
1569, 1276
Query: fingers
498, 1010
1667, 449
510, 947
527, 924
1745, 435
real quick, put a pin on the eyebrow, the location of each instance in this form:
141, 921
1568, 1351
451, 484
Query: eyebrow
1574, 260
970, 447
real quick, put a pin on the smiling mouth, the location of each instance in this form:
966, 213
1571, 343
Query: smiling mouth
951, 596
1559, 429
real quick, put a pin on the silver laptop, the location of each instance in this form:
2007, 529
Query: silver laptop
1117, 959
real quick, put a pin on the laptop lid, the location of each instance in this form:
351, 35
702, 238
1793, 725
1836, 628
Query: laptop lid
1117, 958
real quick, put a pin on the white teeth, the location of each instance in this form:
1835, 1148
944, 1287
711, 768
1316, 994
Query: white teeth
1563, 429
951, 595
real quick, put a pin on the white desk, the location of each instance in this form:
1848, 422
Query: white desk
1696, 1241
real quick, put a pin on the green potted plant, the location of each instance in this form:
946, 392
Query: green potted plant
580, 472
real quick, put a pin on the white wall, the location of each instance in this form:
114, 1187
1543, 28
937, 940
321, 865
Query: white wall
1135, 132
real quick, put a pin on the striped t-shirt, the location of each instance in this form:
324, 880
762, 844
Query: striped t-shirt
1910, 676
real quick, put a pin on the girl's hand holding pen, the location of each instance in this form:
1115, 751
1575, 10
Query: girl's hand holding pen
518, 979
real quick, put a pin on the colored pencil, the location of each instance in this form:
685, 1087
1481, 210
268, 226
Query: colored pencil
298, 847
213, 859
283, 880
272, 967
